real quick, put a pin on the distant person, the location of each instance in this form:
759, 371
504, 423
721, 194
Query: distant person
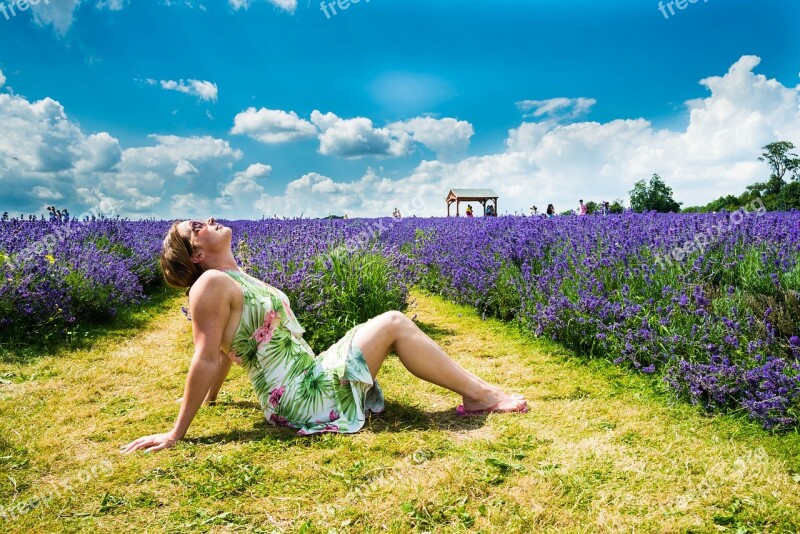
582, 208
489, 211
396, 214
605, 208
239, 318
551, 211
469, 211
534, 210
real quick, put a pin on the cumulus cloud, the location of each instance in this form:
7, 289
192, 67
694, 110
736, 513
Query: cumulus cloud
286, 5
185, 168
556, 108
59, 15
38, 136
447, 137
245, 186
2, 79
44, 155
204, 90
356, 138
46, 194
272, 125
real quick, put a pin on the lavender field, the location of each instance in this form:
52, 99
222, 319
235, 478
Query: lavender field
709, 303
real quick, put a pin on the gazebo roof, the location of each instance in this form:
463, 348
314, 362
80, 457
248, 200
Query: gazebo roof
472, 193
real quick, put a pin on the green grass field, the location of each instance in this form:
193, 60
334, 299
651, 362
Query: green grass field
601, 450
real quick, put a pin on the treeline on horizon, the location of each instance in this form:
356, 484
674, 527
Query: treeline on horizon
776, 193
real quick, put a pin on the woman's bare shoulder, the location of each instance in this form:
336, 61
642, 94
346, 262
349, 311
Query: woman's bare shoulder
212, 283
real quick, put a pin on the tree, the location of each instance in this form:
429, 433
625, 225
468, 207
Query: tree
780, 160
657, 196
617, 207
592, 207
789, 197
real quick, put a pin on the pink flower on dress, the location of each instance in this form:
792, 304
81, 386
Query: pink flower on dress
264, 334
278, 420
330, 428
334, 416
275, 395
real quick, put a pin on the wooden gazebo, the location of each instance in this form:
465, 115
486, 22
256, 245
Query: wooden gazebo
471, 195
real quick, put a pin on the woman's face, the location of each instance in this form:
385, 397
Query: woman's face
208, 235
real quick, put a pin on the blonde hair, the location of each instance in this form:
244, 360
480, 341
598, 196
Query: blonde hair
176, 260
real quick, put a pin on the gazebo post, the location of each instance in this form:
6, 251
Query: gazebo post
457, 204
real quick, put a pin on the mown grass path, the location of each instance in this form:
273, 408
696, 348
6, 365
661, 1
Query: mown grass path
599, 450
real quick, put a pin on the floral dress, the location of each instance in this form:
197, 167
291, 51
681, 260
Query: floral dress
331, 392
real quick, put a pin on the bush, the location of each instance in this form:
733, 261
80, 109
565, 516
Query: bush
345, 289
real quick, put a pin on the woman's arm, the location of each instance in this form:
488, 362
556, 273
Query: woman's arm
210, 300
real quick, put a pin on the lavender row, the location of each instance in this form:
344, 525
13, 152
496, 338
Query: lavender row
709, 302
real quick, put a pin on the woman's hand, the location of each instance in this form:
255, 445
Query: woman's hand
153, 443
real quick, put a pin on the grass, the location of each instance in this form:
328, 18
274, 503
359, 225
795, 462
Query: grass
599, 450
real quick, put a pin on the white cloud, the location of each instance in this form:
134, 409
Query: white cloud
2, 79
244, 189
447, 137
46, 194
189, 204
111, 5
45, 154
185, 168
59, 15
272, 126
38, 137
204, 90
286, 5
356, 138
557, 108
101, 153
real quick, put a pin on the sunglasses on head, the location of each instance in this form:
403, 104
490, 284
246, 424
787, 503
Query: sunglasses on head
197, 225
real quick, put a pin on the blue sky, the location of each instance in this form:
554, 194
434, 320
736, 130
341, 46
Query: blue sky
244, 108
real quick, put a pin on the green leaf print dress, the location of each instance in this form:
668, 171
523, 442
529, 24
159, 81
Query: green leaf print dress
331, 392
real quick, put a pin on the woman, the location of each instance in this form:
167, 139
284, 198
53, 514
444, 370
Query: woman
551, 211
236, 317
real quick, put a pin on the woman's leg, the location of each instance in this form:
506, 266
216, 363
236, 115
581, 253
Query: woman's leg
426, 360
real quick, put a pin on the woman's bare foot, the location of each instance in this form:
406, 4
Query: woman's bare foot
495, 400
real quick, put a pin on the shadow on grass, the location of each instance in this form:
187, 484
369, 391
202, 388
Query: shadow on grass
434, 331
24, 346
395, 418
